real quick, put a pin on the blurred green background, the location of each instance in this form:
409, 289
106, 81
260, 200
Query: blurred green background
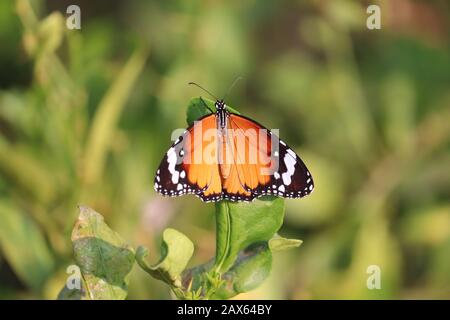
86, 115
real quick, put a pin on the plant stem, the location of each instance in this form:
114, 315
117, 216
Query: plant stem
223, 231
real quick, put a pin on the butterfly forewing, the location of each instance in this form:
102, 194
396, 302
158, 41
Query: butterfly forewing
185, 171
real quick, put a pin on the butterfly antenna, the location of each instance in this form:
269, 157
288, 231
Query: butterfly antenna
195, 84
232, 86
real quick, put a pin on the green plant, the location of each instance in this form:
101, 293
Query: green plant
246, 236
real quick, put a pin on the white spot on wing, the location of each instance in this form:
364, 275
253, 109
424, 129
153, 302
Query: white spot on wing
292, 153
290, 166
172, 161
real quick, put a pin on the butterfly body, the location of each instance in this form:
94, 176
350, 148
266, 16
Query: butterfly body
226, 156
222, 114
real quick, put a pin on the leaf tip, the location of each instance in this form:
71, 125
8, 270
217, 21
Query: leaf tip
278, 243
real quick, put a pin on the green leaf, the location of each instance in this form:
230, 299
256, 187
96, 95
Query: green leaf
176, 251
24, 246
278, 243
240, 224
197, 109
103, 256
251, 268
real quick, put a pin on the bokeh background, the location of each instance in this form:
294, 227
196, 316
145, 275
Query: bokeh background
86, 115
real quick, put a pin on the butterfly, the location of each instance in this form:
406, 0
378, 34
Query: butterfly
227, 156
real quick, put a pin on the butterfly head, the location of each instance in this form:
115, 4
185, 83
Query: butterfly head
220, 105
